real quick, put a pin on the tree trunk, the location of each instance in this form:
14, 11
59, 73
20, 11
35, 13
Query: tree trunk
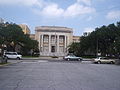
3, 59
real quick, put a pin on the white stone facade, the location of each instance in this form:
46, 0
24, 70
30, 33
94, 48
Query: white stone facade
53, 40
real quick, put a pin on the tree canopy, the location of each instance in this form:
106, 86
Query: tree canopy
11, 36
104, 40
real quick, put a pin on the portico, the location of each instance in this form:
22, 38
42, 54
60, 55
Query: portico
53, 41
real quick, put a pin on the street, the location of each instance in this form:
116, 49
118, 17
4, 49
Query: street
59, 75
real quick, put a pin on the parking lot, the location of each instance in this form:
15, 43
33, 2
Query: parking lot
59, 75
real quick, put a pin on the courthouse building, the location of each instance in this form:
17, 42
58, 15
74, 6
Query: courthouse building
53, 40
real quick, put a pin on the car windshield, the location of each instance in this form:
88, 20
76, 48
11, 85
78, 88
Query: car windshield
101, 58
72, 55
104, 58
7, 53
14, 53
11, 53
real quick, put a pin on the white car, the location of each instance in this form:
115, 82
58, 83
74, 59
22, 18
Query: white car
12, 55
72, 57
100, 60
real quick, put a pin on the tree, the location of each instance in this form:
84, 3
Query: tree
30, 46
12, 36
73, 48
105, 40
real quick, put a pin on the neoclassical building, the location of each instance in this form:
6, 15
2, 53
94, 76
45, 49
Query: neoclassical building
53, 40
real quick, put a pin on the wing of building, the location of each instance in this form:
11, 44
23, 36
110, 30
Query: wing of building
25, 28
76, 39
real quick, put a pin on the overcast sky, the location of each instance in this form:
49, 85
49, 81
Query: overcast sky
81, 15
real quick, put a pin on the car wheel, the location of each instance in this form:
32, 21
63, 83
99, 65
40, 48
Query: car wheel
79, 59
18, 58
112, 62
99, 62
68, 59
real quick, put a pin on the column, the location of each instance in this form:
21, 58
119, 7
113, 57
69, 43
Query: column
49, 43
39, 40
58, 43
65, 44
42, 43
66, 41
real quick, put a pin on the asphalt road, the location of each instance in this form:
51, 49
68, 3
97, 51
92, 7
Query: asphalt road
59, 75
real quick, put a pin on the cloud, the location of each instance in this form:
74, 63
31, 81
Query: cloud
74, 10
78, 9
88, 29
113, 15
51, 9
21, 2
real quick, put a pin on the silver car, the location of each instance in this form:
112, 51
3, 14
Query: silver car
72, 57
100, 60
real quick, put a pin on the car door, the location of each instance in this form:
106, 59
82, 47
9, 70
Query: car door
14, 55
105, 60
73, 57
8, 55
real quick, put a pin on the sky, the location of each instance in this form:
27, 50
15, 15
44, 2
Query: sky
81, 15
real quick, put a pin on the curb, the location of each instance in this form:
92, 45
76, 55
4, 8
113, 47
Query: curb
9, 63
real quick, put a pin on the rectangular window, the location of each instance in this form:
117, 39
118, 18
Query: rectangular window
53, 40
46, 38
61, 40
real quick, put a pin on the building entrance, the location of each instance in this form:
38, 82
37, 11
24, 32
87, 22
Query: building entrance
52, 48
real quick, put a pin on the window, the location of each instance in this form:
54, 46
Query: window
61, 39
53, 39
14, 53
45, 38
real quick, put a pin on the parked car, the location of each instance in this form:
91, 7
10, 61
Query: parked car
100, 60
72, 57
12, 55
